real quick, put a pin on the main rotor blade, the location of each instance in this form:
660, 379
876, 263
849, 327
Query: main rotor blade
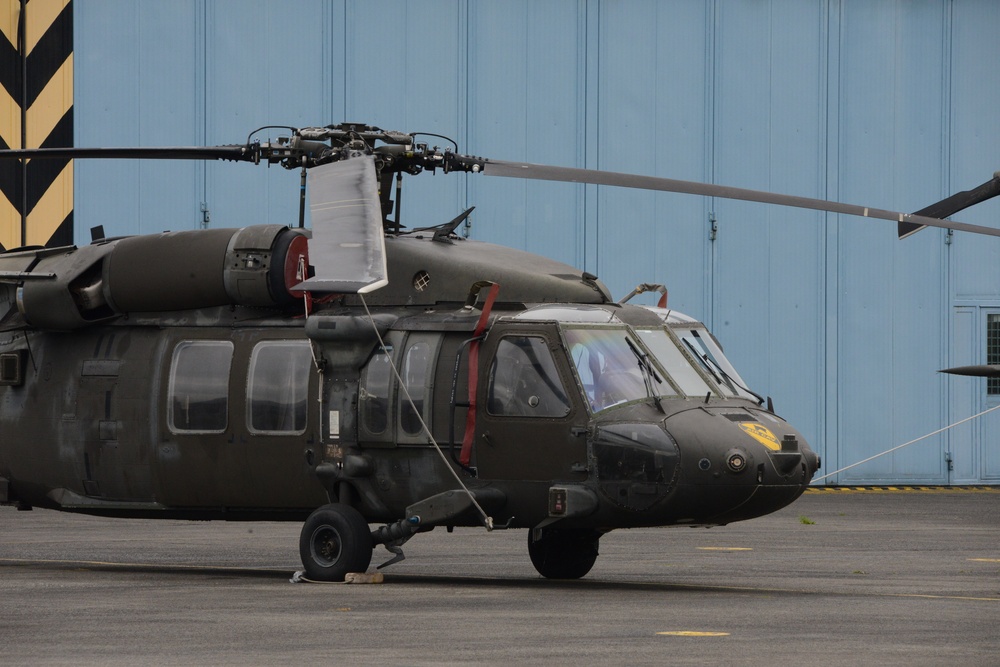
230, 152
953, 204
348, 242
574, 175
984, 371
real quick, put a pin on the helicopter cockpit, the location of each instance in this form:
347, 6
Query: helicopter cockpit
618, 362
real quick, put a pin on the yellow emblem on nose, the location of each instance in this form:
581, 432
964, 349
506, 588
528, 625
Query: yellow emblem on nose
761, 434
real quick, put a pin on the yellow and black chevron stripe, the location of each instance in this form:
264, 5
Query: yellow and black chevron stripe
36, 111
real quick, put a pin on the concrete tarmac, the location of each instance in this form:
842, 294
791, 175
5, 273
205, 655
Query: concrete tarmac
839, 578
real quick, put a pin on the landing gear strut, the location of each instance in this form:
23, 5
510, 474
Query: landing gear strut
335, 540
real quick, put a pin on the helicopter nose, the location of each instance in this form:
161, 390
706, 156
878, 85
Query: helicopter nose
637, 464
736, 446
734, 466
787, 455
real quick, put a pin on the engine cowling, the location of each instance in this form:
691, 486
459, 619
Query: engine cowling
254, 266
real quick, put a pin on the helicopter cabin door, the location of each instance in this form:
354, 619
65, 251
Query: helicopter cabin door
391, 413
531, 422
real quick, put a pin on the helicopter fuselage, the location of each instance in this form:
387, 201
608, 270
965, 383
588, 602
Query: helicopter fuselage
100, 427
587, 415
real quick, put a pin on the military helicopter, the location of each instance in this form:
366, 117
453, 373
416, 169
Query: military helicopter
360, 373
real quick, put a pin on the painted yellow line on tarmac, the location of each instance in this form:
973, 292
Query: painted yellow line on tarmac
725, 548
985, 560
693, 633
802, 591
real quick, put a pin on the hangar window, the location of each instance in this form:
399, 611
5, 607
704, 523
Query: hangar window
993, 351
278, 387
198, 394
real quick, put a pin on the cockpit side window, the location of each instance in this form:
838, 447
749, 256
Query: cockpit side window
198, 393
524, 381
278, 387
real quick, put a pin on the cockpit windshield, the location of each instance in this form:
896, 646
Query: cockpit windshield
703, 347
617, 363
606, 365
613, 370
674, 361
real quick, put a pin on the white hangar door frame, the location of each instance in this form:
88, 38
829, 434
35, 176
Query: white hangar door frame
974, 447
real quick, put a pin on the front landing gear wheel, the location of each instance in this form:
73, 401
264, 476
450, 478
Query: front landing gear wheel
335, 540
563, 554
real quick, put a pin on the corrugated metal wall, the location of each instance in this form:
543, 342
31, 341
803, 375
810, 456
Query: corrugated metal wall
889, 104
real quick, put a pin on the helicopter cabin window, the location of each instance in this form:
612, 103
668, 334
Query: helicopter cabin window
278, 387
993, 351
524, 381
198, 393
415, 373
375, 393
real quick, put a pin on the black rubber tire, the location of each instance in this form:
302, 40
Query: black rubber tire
335, 540
564, 554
